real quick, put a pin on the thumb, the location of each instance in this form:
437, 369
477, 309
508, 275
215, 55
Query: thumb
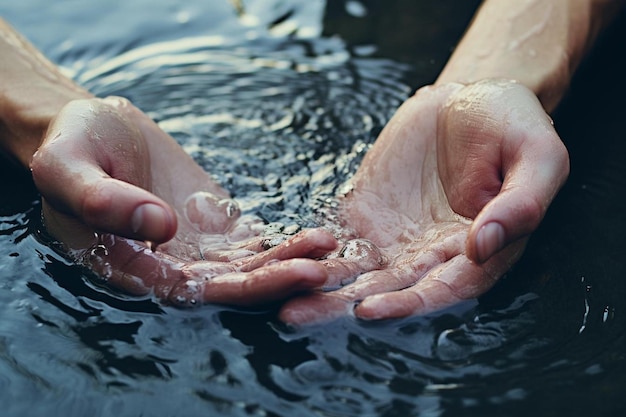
92, 168
535, 166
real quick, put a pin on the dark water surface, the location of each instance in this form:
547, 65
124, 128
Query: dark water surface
279, 100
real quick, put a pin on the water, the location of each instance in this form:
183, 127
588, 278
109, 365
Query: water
304, 88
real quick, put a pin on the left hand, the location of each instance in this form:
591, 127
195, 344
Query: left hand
442, 204
111, 179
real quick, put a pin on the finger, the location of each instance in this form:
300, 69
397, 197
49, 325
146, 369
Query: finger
408, 268
219, 248
315, 308
327, 306
271, 283
311, 243
108, 205
100, 180
259, 250
455, 281
535, 166
401, 274
129, 265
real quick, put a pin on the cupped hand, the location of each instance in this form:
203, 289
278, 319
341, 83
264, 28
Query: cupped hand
115, 186
442, 204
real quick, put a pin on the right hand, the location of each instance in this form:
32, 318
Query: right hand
445, 200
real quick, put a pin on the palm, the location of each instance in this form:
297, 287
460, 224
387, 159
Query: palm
406, 199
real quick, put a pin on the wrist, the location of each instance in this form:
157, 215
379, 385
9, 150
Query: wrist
32, 92
537, 43
25, 115
548, 87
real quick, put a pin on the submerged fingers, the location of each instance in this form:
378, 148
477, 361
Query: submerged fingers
446, 285
386, 295
239, 276
432, 278
311, 243
455, 281
272, 282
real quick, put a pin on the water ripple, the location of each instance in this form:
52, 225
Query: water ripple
281, 125
282, 117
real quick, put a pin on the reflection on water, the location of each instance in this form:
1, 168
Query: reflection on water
281, 116
279, 124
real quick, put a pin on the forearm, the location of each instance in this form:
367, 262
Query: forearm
539, 43
32, 91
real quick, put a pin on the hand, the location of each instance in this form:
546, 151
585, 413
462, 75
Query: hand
111, 179
445, 200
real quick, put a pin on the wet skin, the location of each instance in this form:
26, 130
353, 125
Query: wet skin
444, 202
111, 179
440, 208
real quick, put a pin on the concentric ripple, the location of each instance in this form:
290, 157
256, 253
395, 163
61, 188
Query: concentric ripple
282, 119
281, 125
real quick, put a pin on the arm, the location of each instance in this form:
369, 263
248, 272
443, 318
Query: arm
506, 179
32, 92
539, 43
110, 179
477, 143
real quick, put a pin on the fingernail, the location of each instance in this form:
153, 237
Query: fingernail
150, 221
490, 239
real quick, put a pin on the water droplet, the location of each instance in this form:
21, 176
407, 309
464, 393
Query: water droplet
95, 259
363, 252
357, 249
151, 245
232, 208
356, 8
273, 241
